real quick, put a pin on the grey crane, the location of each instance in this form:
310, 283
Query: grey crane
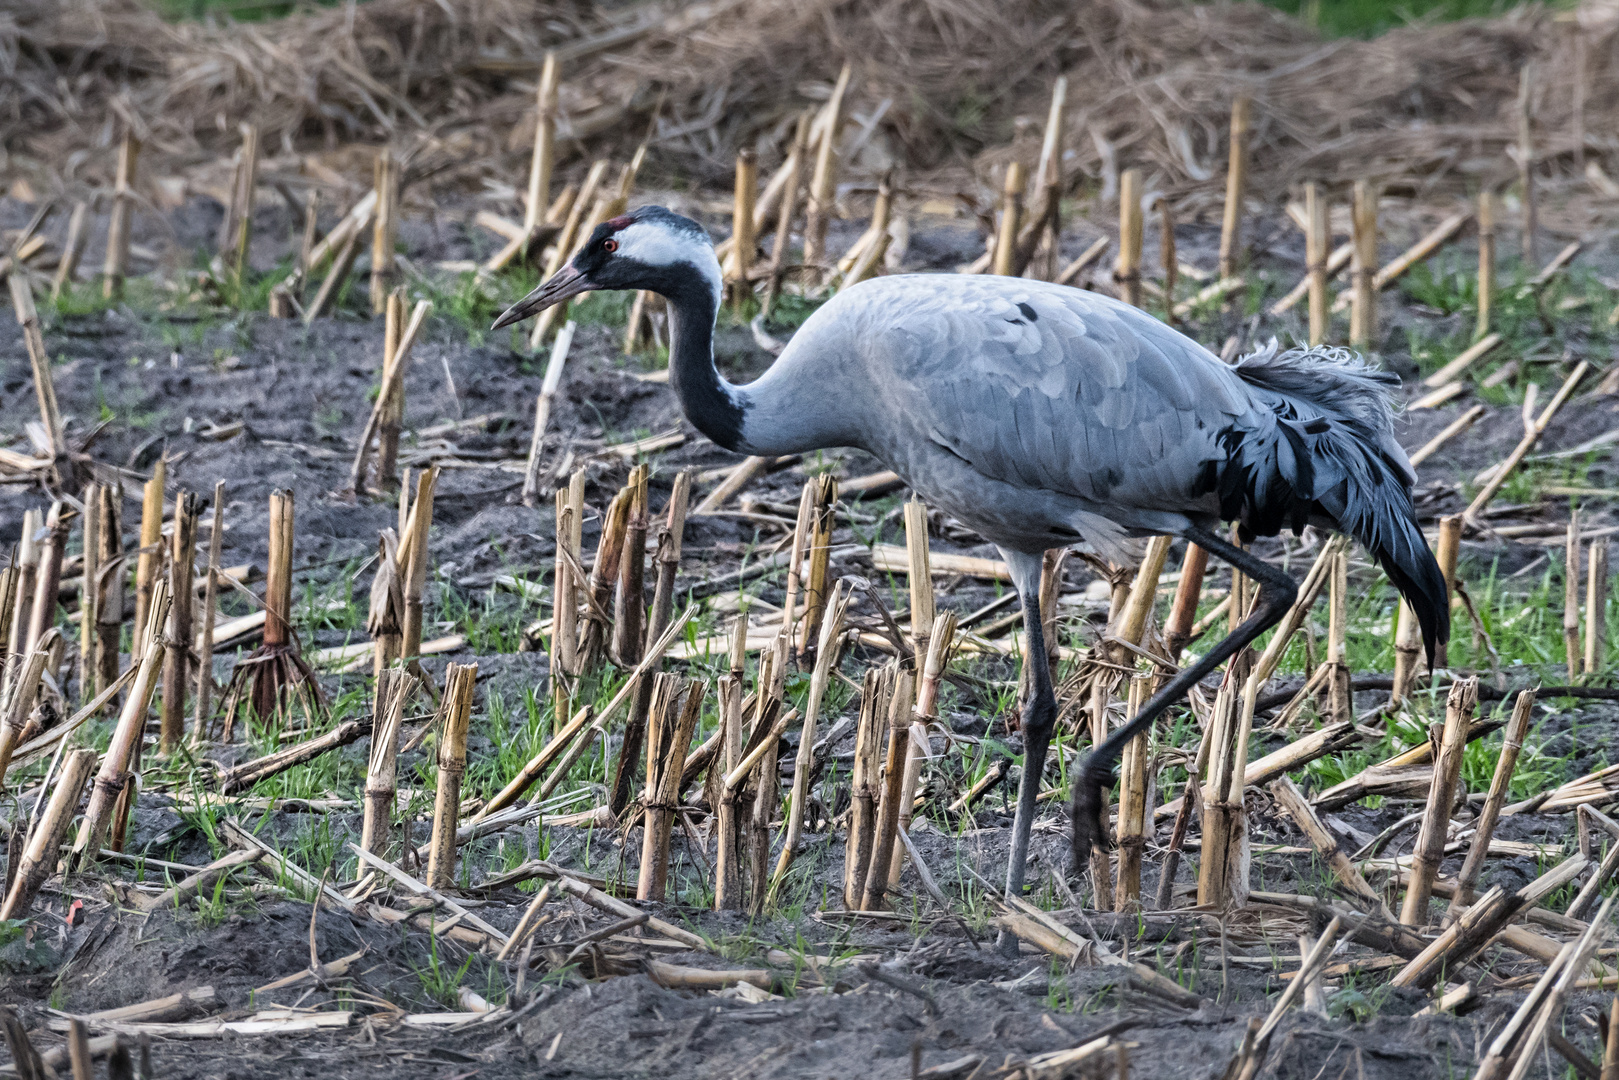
1044, 416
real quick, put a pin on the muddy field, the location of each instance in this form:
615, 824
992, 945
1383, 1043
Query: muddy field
921, 991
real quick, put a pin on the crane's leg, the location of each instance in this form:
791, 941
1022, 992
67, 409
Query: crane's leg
1039, 713
1277, 592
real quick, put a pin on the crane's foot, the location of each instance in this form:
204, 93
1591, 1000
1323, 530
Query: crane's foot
1090, 827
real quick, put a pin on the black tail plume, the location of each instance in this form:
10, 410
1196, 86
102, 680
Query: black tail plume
1326, 455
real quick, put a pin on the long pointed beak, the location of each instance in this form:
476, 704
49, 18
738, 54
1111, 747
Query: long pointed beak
565, 283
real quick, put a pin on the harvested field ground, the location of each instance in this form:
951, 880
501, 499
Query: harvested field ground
189, 369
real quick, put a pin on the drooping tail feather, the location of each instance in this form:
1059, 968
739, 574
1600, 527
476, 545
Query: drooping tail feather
1326, 455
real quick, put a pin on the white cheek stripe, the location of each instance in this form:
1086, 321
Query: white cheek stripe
652, 245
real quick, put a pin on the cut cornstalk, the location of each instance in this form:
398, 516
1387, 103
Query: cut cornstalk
542, 411
1042, 233
203, 702
1183, 609
871, 256
39, 857
342, 264
1317, 242
792, 171
629, 592
110, 602
89, 594
121, 748
20, 694
48, 578
242, 199
886, 834
1132, 805
39, 362
764, 784
921, 574
1363, 266
25, 565
150, 559
385, 617
1168, 260
802, 527
727, 870
629, 615
1596, 606
1251, 1057
1339, 699
1486, 261
676, 706
381, 774
353, 223
306, 246
1407, 652
9, 614
1236, 182
123, 208
940, 642
1447, 552
667, 559
824, 181
1571, 597
1430, 845
543, 161
863, 782
1490, 813
387, 412
817, 557
1011, 214
391, 420
1222, 879
182, 564
1546, 1027
603, 581
455, 714
570, 505
415, 577
743, 240
384, 229
1499, 474
826, 654
1127, 268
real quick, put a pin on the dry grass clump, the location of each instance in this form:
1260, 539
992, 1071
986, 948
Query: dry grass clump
936, 83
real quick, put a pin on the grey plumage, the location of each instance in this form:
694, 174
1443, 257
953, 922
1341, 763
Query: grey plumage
1041, 416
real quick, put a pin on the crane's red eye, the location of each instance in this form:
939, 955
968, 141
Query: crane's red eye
609, 246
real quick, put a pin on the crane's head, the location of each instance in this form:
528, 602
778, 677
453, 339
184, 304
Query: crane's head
649, 248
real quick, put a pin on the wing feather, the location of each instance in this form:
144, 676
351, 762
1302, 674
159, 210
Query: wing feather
1090, 398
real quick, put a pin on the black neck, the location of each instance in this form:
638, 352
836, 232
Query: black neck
709, 402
